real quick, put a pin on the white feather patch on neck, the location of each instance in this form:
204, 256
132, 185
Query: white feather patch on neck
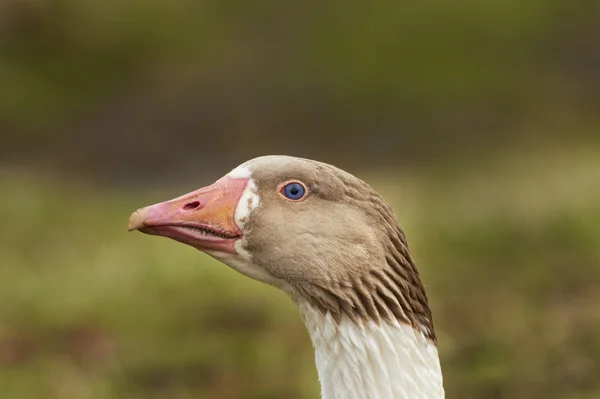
371, 361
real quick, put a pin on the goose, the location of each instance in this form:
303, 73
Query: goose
333, 244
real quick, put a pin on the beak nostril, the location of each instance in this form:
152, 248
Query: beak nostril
191, 206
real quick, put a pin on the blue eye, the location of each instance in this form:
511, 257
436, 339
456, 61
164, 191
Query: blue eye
293, 191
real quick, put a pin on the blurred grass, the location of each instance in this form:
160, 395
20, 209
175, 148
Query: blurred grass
61, 57
509, 251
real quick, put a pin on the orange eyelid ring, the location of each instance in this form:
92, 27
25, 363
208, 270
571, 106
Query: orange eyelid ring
281, 188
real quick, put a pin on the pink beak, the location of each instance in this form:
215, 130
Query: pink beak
204, 219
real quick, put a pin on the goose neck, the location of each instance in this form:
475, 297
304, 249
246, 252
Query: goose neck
372, 361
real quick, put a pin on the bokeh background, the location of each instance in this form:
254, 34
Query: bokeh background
478, 120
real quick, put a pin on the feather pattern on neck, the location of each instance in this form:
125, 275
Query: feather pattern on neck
389, 360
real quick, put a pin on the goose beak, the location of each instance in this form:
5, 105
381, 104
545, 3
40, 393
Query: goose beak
203, 218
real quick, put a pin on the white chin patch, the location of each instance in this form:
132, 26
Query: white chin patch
247, 203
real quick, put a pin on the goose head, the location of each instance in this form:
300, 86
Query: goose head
333, 244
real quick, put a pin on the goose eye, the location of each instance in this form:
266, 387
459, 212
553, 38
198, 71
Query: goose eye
294, 191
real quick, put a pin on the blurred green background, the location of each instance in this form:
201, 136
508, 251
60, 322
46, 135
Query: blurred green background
477, 120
